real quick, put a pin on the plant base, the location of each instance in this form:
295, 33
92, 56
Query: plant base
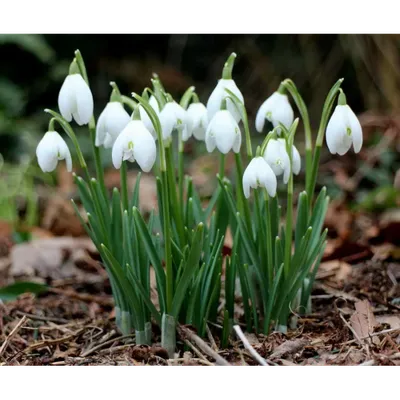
168, 334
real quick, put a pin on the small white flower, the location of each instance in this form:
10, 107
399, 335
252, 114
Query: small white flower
173, 116
259, 174
135, 143
278, 159
197, 115
50, 149
145, 117
223, 132
75, 100
219, 93
111, 122
344, 129
275, 109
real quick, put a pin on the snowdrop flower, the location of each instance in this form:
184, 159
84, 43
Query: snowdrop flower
146, 119
198, 120
278, 159
135, 143
112, 121
50, 149
259, 174
343, 130
223, 132
75, 99
275, 109
173, 116
219, 93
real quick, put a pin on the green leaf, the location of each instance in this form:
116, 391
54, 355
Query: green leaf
11, 292
192, 263
302, 217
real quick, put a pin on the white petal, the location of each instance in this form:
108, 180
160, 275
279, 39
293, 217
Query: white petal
50, 149
266, 176
144, 149
120, 145
226, 130
261, 116
197, 120
147, 121
167, 121
282, 111
210, 138
249, 178
154, 103
296, 161
101, 128
336, 129
84, 100
66, 99
219, 93
275, 156
356, 130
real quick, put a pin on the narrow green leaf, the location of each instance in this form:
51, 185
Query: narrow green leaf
11, 292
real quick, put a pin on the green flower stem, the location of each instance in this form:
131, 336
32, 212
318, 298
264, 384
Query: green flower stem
129, 102
292, 89
243, 204
222, 165
270, 243
289, 222
176, 207
185, 100
181, 166
326, 111
124, 187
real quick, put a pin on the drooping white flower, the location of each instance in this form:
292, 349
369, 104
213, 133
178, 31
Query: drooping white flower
50, 149
259, 174
223, 132
219, 94
343, 130
278, 159
75, 100
135, 143
173, 116
198, 120
111, 122
145, 117
275, 109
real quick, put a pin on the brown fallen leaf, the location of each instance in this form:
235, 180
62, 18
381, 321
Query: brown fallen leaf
53, 258
363, 320
289, 347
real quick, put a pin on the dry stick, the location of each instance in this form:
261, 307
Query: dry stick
211, 338
12, 334
94, 349
183, 331
45, 319
374, 334
199, 354
366, 348
249, 347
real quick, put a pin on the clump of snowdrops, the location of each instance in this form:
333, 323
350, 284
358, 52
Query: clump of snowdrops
274, 257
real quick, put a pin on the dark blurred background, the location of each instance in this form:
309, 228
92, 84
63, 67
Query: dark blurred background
33, 68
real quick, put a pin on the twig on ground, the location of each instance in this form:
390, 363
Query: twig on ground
365, 347
12, 334
39, 318
199, 354
211, 338
94, 349
185, 332
249, 347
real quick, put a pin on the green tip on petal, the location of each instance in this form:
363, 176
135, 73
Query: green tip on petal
342, 98
115, 94
74, 68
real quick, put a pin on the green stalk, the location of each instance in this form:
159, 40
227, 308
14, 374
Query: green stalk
242, 203
181, 147
168, 334
124, 187
289, 222
222, 165
269, 242
289, 85
176, 205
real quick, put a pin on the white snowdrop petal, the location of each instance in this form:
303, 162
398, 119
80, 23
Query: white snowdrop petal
336, 129
261, 116
66, 100
356, 130
84, 99
249, 179
119, 145
144, 150
50, 149
267, 177
154, 103
101, 129
296, 161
